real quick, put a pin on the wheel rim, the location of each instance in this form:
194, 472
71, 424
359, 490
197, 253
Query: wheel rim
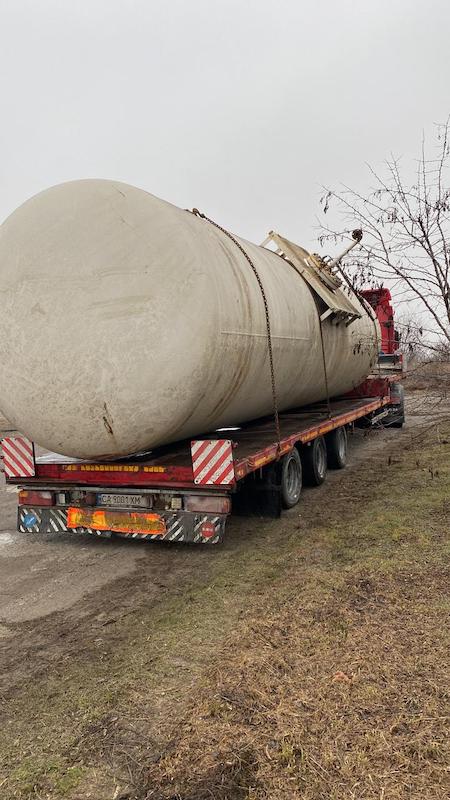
321, 460
341, 446
293, 479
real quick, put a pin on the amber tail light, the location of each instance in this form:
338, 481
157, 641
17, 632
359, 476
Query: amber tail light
34, 498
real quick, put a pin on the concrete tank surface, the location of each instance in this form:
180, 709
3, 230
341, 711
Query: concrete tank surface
127, 323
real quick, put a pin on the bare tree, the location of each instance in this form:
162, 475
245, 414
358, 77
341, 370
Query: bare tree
406, 241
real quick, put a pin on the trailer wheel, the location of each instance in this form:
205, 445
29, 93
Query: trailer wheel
337, 448
314, 461
291, 479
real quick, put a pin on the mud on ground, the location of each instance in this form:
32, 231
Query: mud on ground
307, 657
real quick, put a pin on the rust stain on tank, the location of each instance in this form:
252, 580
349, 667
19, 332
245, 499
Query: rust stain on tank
108, 420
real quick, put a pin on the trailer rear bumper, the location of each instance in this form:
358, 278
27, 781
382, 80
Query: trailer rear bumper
180, 526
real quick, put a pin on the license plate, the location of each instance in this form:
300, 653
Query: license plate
100, 519
129, 500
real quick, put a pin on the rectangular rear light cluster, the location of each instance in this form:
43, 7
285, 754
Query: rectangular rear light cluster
203, 503
35, 498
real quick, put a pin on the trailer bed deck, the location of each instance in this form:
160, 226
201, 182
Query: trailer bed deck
254, 445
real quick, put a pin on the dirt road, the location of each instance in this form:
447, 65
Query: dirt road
102, 642
50, 573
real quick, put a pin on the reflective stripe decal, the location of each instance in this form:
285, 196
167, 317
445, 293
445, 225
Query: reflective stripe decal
18, 457
212, 462
180, 526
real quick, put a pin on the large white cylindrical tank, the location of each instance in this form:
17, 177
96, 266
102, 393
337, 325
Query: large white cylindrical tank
127, 323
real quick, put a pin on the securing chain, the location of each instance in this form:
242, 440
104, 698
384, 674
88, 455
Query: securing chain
266, 311
324, 361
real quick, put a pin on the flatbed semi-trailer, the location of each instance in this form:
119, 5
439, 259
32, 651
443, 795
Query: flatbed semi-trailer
185, 491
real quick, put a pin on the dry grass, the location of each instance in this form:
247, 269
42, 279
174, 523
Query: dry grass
326, 636
339, 686
343, 698
428, 375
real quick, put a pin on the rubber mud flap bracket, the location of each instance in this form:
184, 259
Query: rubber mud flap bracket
260, 494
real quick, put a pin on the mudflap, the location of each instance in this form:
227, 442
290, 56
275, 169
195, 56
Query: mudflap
260, 494
181, 526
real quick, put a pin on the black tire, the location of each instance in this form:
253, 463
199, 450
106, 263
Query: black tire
314, 462
337, 448
291, 479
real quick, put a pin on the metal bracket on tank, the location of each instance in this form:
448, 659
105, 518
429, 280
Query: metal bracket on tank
320, 277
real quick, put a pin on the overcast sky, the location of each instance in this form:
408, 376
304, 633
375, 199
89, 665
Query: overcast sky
242, 108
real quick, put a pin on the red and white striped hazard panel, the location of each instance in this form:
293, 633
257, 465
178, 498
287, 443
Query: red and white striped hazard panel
18, 457
212, 461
